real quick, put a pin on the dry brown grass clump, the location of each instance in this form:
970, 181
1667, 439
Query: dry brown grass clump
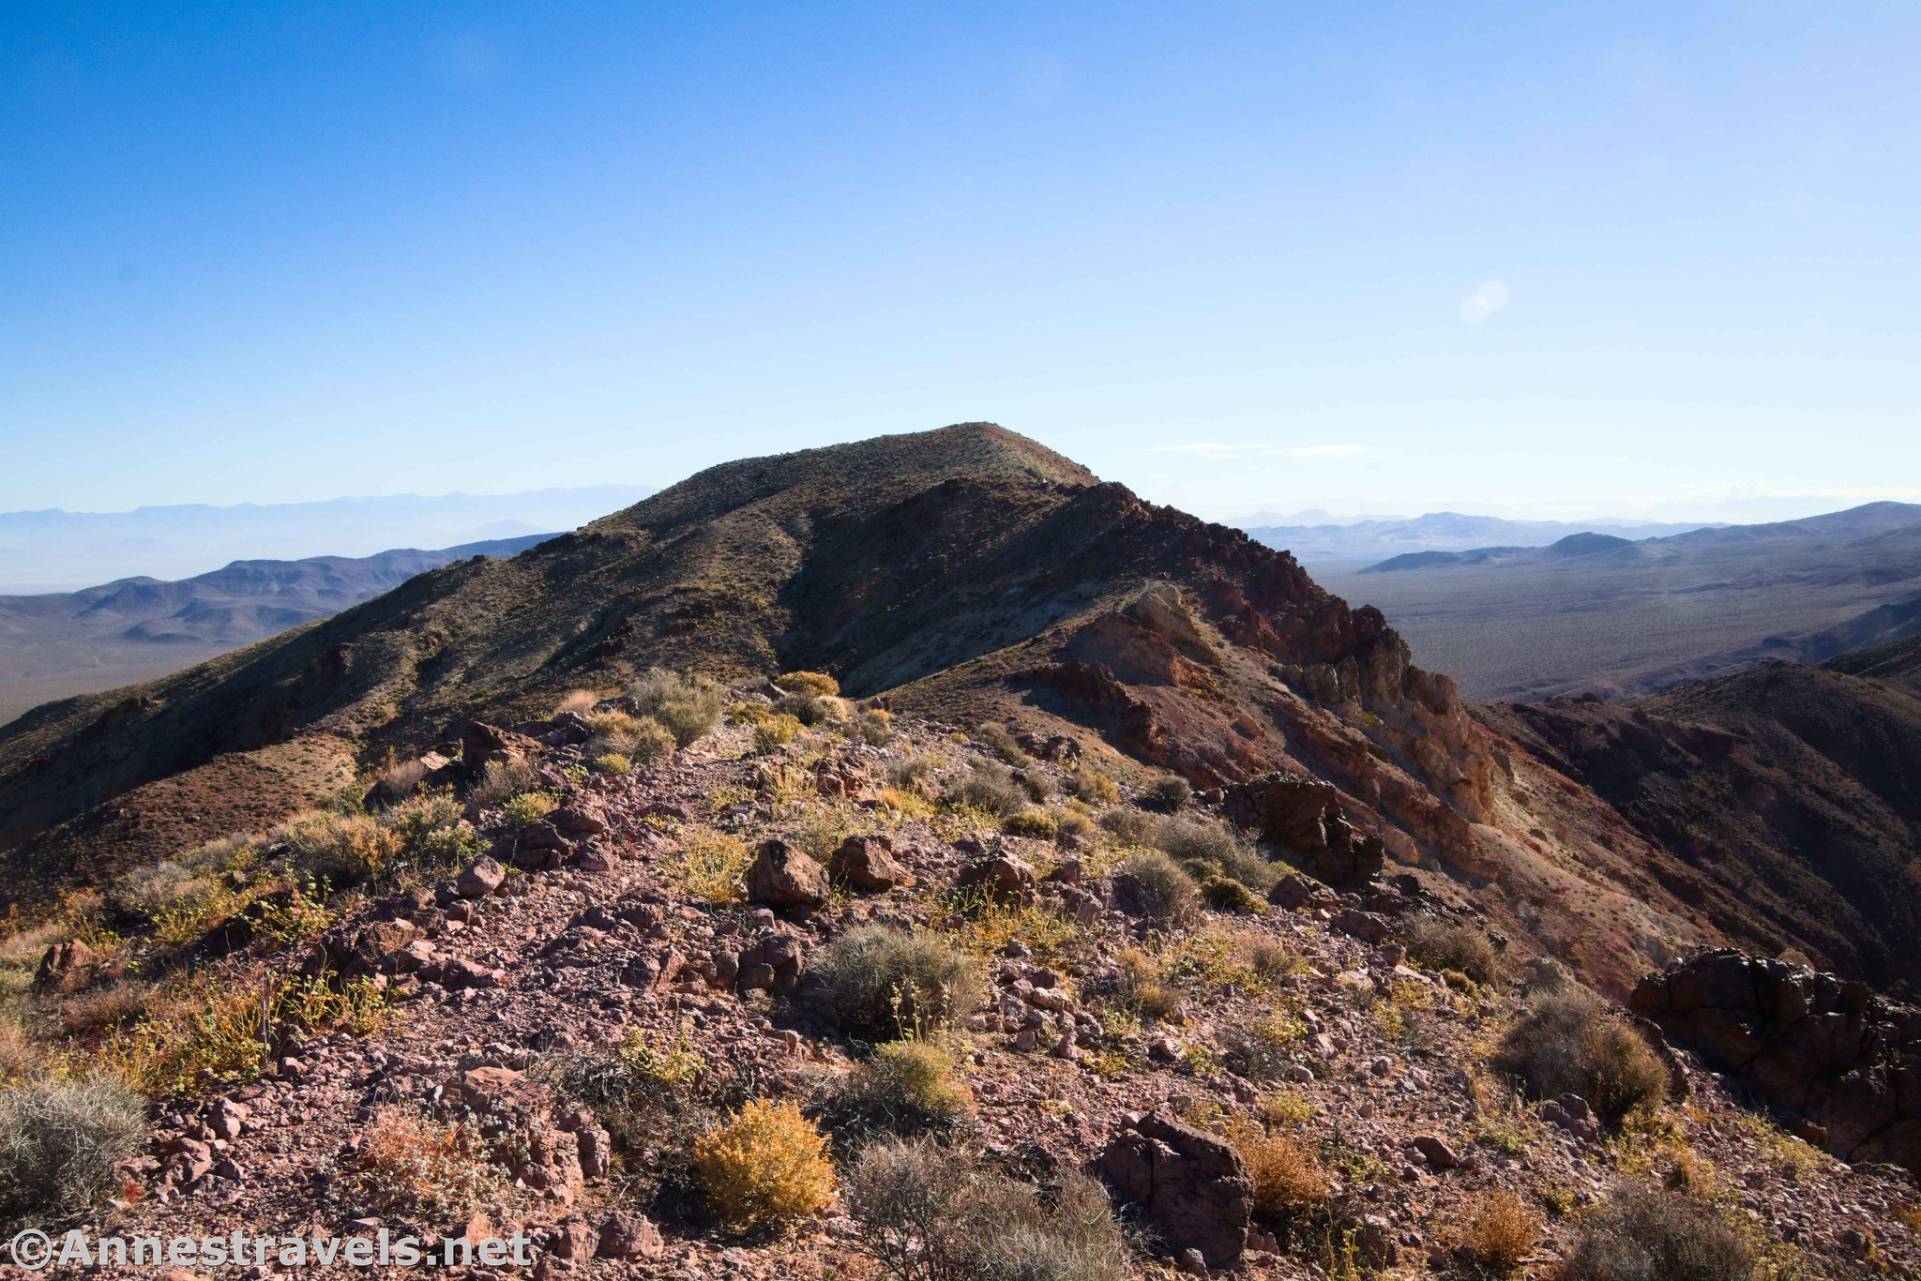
501, 780
816, 683
1158, 887
412, 1165
766, 1167
887, 984
59, 1143
1502, 1232
1572, 1042
688, 707
1443, 945
1287, 1176
713, 865
905, 1087
1643, 1232
998, 740
928, 1213
1169, 792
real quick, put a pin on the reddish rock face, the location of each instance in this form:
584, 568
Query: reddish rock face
1192, 1186
867, 863
1812, 1044
1305, 815
782, 876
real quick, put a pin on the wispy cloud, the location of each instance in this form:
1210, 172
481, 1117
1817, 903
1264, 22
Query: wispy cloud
1488, 298
1258, 449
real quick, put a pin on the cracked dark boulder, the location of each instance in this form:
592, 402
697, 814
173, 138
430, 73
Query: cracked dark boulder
1192, 1186
1304, 815
1822, 1049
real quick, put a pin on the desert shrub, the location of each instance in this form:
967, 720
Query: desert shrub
1444, 945
1201, 843
765, 1167
147, 892
1571, 1042
713, 865
808, 709
581, 702
1287, 1176
1141, 987
887, 984
652, 742
20, 1055
1074, 824
1502, 1232
432, 832
904, 1087
399, 780
999, 740
809, 683
1262, 1049
926, 1213
775, 731
416, 1167
1159, 887
1128, 826
1270, 960
59, 1143
916, 773
341, 849
1032, 821
1226, 895
1090, 785
990, 788
502, 779
687, 707
1169, 792
876, 726
1641, 1232
612, 731
1036, 784
612, 763
529, 808
103, 1009
660, 1061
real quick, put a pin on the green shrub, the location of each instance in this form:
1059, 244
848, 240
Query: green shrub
1032, 821
1647, 1234
341, 849
687, 707
904, 1087
528, 808
501, 780
1225, 895
1571, 1042
1160, 888
59, 1143
1443, 945
1169, 792
927, 1213
775, 731
887, 984
612, 763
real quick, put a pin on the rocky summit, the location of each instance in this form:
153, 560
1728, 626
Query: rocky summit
917, 860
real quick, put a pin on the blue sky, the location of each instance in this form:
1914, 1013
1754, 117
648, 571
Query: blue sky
1525, 259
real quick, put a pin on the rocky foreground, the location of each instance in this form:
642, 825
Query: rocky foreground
677, 917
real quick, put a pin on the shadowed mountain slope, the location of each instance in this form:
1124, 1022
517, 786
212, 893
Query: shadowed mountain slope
1789, 798
64, 643
965, 573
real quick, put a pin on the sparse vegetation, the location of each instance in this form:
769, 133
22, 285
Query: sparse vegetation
414, 1166
1444, 945
1168, 793
612, 763
501, 780
765, 1167
818, 683
990, 788
1226, 895
1032, 821
1287, 1176
904, 1087
59, 1143
712, 865
929, 1214
1570, 1042
1643, 1232
1502, 1232
1206, 847
999, 740
1160, 888
1095, 788
775, 731
528, 808
687, 707
887, 984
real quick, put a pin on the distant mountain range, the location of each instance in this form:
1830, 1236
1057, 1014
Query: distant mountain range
1603, 613
1377, 538
58, 551
59, 644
